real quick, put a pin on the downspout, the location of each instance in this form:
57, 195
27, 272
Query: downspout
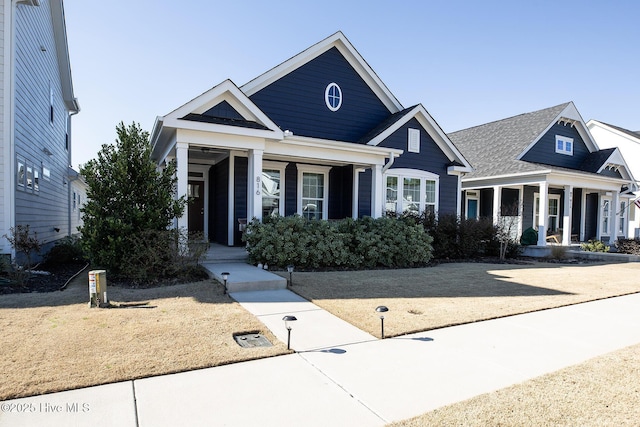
386, 167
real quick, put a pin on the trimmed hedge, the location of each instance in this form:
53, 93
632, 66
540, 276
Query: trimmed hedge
628, 246
347, 243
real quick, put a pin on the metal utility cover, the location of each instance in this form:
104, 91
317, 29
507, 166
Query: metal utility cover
252, 340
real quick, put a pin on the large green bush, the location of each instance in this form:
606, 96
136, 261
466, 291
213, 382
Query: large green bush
126, 196
347, 243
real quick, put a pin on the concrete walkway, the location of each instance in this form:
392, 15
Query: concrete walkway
364, 382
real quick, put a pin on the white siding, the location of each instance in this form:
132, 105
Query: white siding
40, 142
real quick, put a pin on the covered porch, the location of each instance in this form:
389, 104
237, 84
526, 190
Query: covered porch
579, 207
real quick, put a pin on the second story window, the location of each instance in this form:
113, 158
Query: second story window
564, 145
333, 96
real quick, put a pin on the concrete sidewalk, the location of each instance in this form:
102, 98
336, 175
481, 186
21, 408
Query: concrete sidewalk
364, 382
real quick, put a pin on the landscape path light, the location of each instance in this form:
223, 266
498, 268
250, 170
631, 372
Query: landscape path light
225, 277
381, 309
288, 319
290, 270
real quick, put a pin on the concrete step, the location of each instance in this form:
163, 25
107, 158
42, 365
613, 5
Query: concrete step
244, 277
225, 254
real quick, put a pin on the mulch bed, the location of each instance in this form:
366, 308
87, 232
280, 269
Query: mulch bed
45, 278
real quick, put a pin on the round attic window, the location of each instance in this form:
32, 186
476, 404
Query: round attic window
333, 96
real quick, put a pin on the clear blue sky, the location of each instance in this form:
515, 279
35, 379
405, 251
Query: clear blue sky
467, 62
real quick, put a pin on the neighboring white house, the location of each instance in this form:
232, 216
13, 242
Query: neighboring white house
609, 136
36, 105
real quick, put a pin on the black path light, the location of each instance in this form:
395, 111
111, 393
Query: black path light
288, 319
382, 309
290, 268
225, 277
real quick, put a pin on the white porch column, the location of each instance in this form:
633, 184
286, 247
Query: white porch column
182, 173
254, 185
497, 202
459, 197
377, 191
231, 200
583, 215
566, 218
615, 216
356, 191
543, 213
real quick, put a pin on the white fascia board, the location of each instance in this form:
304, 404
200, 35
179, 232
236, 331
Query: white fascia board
570, 112
590, 182
225, 91
180, 124
432, 128
616, 158
339, 41
219, 140
334, 151
457, 170
62, 55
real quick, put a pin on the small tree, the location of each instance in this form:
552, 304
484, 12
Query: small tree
126, 195
507, 228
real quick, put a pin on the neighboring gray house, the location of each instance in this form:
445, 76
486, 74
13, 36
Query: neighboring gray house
546, 161
36, 105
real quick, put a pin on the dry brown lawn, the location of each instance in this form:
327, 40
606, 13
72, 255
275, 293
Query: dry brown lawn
604, 391
448, 294
53, 341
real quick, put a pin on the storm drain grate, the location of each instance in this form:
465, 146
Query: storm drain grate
252, 340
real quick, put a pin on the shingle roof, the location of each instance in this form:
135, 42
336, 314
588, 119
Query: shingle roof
386, 123
223, 121
594, 161
493, 148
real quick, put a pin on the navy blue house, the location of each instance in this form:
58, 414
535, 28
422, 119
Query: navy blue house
319, 135
546, 161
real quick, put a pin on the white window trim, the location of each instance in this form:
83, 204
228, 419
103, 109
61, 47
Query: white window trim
402, 173
564, 140
475, 197
326, 96
606, 232
314, 169
280, 167
622, 226
536, 197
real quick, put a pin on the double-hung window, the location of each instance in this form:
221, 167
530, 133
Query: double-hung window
313, 191
553, 212
411, 190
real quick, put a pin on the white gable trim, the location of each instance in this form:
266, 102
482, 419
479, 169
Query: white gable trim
339, 41
569, 112
225, 91
595, 123
616, 159
433, 129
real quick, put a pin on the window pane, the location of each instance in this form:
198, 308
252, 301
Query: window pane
553, 206
430, 187
312, 195
270, 192
392, 193
411, 195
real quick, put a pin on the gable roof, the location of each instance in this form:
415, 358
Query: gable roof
494, 148
629, 133
340, 42
62, 55
395, 121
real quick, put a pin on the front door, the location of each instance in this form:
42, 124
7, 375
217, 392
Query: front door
591, 216
196, 206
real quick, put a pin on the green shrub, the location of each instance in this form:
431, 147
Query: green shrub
458, 238
158, 255
628, 246
347, 243
594, 246
66, 250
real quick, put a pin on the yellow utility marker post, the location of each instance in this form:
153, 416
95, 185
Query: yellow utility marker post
98, 288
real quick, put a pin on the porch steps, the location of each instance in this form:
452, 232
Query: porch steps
218, 253
244, 277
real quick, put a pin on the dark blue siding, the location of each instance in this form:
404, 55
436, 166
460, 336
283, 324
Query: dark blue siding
364, 194
545, 149
430, 159
291, 190
225, 111
218, 202
240, 195
340, 191
576, 211
296, 101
